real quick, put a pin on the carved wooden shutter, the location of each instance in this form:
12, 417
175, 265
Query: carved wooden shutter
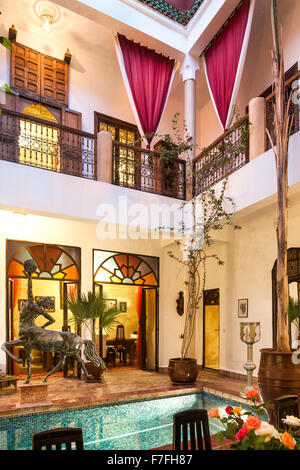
54, 74
25, 69
38, 74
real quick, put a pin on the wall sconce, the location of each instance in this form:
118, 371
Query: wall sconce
180, 304
47, 21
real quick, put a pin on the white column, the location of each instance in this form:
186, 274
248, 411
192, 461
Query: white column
257, 122
188, 70
104, 157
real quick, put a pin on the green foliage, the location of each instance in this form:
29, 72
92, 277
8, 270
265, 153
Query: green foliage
87, 308
5, 42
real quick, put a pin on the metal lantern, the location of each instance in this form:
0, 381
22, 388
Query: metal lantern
250, 334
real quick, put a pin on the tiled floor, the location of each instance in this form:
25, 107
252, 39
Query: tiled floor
119, 386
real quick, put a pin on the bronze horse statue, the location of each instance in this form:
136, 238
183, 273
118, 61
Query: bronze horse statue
34, 337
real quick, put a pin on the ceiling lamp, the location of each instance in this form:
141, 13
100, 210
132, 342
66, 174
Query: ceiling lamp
47, 21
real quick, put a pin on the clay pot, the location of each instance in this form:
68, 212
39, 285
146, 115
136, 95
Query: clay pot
95, 371
278, 375
183, 370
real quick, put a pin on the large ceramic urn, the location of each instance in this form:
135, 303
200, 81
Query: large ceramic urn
279, 374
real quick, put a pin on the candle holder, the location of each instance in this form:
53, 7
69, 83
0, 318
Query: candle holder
250, 334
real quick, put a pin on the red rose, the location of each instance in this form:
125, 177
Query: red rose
229, 410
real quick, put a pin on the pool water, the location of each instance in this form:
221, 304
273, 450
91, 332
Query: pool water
126, 426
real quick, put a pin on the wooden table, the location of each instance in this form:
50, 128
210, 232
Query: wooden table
9, 380
129, 345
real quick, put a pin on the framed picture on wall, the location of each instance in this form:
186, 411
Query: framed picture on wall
243, 308
21, 302
37, 297
123, 306
111, 303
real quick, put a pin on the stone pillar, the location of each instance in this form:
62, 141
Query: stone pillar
104, 157
188, 71
257, 120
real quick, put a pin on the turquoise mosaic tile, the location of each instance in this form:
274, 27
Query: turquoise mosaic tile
134, 425
172, 12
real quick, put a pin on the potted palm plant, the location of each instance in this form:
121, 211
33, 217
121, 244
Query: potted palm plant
278, 373
86, 309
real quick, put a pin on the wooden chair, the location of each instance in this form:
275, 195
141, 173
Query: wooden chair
120, 346
58, 437
195, 421
286, 405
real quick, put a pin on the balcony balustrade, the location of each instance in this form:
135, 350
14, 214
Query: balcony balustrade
35, 142
141, 169
224, 156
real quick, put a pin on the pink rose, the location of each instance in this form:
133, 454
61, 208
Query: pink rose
241, 434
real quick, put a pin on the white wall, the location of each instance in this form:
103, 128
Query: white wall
249, 257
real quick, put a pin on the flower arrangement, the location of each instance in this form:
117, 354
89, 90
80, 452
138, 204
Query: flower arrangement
247, 431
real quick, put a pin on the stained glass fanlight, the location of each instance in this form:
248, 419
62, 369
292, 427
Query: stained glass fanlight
122, 268
53, 262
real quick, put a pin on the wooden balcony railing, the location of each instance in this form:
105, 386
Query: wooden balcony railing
138, 168
290, 87
43, 144
224, 156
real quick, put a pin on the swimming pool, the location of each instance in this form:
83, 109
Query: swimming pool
134, 425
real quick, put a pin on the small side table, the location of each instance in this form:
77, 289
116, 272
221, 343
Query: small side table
9, 380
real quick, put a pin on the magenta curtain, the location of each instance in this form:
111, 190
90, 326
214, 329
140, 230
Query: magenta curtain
149, 75
222, 60
182, 5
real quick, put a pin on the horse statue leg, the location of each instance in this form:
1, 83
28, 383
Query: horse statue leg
15, 342
28, 351
60, 365
88, 376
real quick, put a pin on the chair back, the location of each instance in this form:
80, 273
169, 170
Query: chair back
120, 335
57, 438
191, 429
286, 405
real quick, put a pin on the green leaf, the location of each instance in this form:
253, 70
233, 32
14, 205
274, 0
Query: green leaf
5, 42
7, 89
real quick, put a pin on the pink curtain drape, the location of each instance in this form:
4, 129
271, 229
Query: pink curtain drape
149, 75
222, 61
182, 5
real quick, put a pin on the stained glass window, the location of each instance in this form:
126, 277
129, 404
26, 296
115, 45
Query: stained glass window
38, 143
53, 261
124, 268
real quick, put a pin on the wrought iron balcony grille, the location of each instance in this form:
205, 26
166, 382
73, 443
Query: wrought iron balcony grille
222, 158
35, 142
141, 169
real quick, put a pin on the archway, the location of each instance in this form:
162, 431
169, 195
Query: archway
131, 280
58, 273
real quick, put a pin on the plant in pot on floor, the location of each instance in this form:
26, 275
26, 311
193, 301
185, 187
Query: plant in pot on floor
211, 212
86, 309
197, 249
279, 372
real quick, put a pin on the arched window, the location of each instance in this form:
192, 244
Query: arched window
125, 268
53, 261
39, 143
